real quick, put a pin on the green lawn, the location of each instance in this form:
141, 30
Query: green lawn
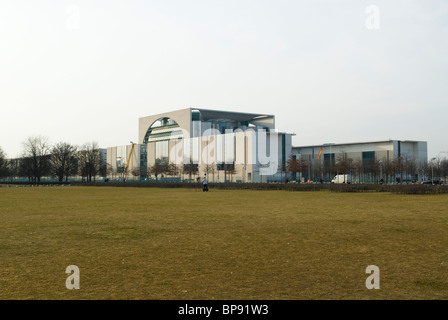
148, 243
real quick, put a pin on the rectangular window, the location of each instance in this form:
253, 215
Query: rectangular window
329, 159
162, 151
368, 160
190, 168
368, 157
226, 166
195, 116
329, 165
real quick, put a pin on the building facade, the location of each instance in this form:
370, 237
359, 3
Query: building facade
187, 144
373, 159
191, 143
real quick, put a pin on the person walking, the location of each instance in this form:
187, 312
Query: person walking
204, 184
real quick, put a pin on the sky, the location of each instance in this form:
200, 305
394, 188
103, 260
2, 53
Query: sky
331, 71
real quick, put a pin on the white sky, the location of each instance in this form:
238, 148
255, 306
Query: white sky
85, 70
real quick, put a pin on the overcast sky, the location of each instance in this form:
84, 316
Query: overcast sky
330, 71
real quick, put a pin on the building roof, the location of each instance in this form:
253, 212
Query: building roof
219, 115
353, 143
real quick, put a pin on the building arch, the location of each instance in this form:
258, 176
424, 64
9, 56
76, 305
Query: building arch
164, 128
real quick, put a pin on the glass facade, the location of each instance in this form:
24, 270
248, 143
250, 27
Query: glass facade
368, 160
368, 157
195, 115
162, 151
143, 160
329, 159
225, 148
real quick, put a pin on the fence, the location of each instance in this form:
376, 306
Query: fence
393, 188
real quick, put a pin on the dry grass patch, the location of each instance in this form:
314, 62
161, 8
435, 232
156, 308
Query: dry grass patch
148, 243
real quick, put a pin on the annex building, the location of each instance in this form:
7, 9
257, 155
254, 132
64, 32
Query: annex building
373, 158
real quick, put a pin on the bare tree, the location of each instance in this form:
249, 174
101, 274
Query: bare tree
89, 161
63, 160
172, 169
110, 171
444, 169
229, 170
397, 165
136, 172
209, 167
4, 170
191, 169
122, 171
282, 168
358, 168
13, 168
103, 171
376, 167
344, 164
295, 166
213, 170
437, 167
148, 172
180, 169
424, 169
143, 172
159, 168
25, 168
318, 169
37, 153
388, 169
409, 168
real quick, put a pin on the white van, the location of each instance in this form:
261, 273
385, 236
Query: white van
342, 178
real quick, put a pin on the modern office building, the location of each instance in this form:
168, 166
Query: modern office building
235, 146
321, 159
190, 143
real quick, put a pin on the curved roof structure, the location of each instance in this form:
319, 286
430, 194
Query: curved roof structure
184, 120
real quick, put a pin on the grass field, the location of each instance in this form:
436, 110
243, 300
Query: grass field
150, 243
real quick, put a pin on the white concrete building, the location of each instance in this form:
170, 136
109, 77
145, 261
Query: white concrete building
322, 165
235, 146
227, 146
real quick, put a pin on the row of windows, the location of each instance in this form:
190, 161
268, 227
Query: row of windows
367, 156
194, 167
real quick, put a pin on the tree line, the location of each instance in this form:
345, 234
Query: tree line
162, 169
62, 160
